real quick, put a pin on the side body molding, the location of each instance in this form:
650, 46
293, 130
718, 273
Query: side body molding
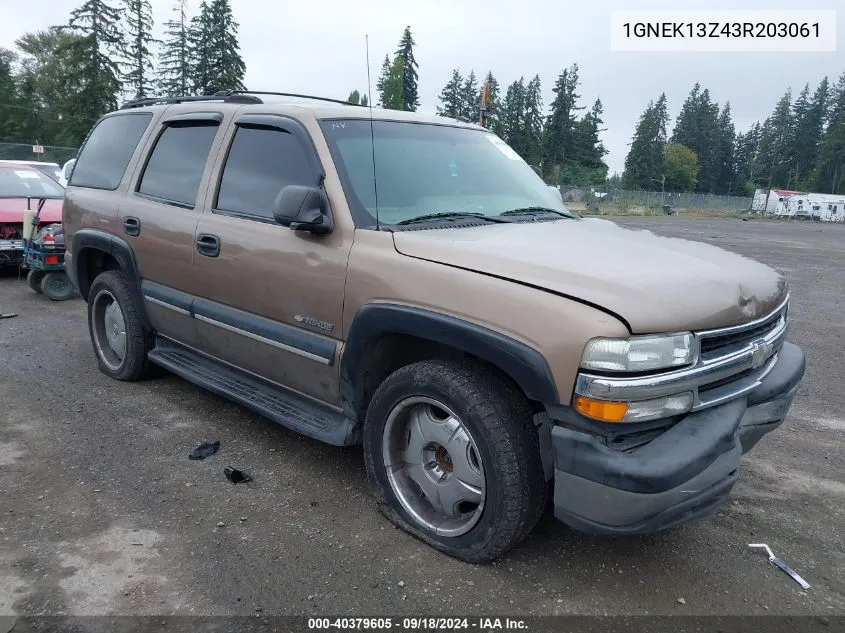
524, 364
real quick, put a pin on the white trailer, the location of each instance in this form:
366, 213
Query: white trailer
772, 203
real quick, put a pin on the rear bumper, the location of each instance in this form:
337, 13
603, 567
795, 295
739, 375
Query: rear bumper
683, 474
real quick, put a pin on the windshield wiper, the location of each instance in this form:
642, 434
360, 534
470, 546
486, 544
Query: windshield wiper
538, 211
452, 215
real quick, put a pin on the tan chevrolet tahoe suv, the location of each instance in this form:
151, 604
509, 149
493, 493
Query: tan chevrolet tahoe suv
409, 284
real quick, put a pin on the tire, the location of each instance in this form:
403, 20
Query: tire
110, 290
33, 278
501, 435
57, 286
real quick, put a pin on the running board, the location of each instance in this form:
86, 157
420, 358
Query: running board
287, 408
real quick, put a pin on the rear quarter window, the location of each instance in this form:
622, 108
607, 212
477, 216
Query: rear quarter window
108, 150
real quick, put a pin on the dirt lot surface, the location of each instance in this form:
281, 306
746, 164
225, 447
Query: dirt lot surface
101, 510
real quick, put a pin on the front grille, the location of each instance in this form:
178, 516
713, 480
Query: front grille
719, 343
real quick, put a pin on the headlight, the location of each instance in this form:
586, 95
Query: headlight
638, 353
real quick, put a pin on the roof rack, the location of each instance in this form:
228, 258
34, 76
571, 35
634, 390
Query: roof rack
226, 96
246, 93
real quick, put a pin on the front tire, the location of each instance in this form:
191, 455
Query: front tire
120, 341
453, 458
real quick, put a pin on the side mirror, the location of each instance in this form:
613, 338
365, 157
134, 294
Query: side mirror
68, 168
303, 208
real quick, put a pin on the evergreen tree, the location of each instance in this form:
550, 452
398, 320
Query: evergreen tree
470, 98
365, 100
698, 128
93, 65
494, 104
513, 116
384, 76
829, 175
809, 115
645, 160
722, 174
175, 57
532, 122
560, 126
587, 165
226, 51
450, 96
745, 150
772, 163
354, 97
10, 102
139, 27
203, 76
410, 91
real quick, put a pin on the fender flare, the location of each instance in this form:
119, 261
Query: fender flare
92, 239
524, 364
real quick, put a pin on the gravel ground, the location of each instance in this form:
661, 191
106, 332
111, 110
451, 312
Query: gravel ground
102, 512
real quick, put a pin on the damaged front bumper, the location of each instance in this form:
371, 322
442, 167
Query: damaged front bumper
683, 474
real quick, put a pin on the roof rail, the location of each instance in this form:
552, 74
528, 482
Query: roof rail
226, 96
247, 93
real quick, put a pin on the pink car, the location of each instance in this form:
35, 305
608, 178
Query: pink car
20, 186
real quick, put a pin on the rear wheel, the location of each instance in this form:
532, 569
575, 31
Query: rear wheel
33, 278
453, 458
57, 286
120, 342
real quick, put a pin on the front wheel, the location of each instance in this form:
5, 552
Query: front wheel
453, 458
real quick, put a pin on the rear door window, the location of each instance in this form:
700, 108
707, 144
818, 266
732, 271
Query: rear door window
108, 150
176, 164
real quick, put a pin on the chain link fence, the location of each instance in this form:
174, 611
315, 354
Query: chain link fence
627, 201
23, 151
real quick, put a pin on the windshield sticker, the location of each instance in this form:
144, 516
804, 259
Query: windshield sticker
503, 147
26, 174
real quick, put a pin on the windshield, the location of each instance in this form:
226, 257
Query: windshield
20, 182
423, 169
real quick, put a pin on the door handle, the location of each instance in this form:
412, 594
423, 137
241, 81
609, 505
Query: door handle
131, 226
208, 245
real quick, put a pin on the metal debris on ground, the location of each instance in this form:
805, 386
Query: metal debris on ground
203, 450
8, 315
777, 562
236, 476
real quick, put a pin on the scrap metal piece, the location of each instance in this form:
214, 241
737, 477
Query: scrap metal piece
779, 563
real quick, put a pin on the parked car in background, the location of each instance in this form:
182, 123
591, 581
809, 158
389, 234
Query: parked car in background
21, 186
50, 169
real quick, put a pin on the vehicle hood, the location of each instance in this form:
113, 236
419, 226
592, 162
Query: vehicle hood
11, 210
654, 283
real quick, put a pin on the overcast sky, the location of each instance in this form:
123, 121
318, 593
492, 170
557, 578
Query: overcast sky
317, 47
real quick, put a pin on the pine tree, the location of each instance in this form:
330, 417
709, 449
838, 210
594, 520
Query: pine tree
494, 104
10, 103
560, 126
644, 163
384, 76
410, 77
470, 98
829, 175
450, 96
139, 28
354, 97
94, 67
513, 114
745, 151
698, 128
532, 122
203, 76
226, 51
772, 163
589, 151
723, 153
809, 115
175, 57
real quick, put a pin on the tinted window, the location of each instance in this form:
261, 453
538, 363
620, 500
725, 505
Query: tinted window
261, 161
174, 170
108, 150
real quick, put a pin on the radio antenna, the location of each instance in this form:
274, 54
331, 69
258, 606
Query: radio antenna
372, 134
